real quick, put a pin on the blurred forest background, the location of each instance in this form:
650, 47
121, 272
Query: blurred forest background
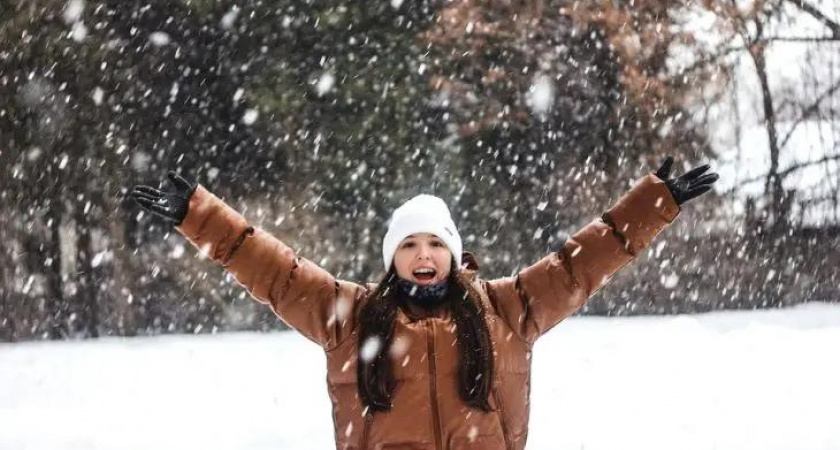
316, 118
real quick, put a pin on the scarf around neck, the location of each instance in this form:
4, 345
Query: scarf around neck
428, 296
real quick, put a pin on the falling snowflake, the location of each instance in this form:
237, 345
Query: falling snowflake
177, 252
472, 433
229, 18
140, 160
237, 96
250, 116
73, 11
97, 259
343, 306
34, 153
325, 84
204, 251
399, 347
670, 281
159, 38
28, 284
370, 348
541, 95
97, 95
79, 32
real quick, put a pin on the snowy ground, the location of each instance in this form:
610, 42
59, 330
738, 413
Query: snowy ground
745, 380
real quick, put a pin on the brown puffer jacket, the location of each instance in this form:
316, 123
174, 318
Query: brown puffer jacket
428, 412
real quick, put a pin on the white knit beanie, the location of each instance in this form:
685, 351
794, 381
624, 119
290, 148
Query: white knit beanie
422, 214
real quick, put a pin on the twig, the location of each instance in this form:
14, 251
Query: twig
804, 39
817, 14
784, 173
808, 111
710, 60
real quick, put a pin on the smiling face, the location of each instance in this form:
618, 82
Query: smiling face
423, 259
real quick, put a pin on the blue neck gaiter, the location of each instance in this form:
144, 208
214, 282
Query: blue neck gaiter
427, 296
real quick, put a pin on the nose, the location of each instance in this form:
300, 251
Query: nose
423, 252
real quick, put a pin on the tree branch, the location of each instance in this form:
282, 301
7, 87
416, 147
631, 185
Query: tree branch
808, 111
705, 62
800, 166
804, 39
817, 14
784, 173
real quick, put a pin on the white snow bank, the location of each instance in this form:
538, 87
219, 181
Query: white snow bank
735, 380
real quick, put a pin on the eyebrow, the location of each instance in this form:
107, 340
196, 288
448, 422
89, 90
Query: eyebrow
412, 236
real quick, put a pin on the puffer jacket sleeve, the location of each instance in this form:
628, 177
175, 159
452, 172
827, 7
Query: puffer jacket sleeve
303, 295
542, 295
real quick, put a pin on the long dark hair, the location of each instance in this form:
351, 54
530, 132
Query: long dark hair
377, 317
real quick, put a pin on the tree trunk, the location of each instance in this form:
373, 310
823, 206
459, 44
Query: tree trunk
773, 184
86, 298
51, 265
7, 320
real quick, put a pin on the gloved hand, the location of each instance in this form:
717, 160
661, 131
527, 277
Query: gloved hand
689, 185
172, 206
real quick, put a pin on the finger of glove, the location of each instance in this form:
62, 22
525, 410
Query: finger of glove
679, 184
147, 197
709, 178
696, 172
149, 203
147, 190
160, 210
179, 182
696, 192
665, 170
156, 208
148, 193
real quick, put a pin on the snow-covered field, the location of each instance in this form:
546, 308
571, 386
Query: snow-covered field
735, 380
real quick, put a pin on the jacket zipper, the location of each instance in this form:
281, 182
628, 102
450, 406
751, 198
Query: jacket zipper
502, 417
364, 439
430, 338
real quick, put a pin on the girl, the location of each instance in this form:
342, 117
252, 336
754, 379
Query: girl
432, 356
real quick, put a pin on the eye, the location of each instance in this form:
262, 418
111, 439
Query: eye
408, 244
437, 244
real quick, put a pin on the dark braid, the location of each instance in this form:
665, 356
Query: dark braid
475, 372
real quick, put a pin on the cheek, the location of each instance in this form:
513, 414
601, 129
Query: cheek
401, 262
443, 260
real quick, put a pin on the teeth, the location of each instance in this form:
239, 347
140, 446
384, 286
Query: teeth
424, 271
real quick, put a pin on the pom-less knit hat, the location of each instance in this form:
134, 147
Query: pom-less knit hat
422, 214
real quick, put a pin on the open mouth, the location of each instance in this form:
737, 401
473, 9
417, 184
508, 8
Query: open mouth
424, 274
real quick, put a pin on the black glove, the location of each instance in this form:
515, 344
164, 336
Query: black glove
689, 185
171, 206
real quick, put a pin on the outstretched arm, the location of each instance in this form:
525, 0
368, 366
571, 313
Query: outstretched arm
302, 294
542, 295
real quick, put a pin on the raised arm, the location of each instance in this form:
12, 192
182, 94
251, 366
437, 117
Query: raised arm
542, 295
303, 295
